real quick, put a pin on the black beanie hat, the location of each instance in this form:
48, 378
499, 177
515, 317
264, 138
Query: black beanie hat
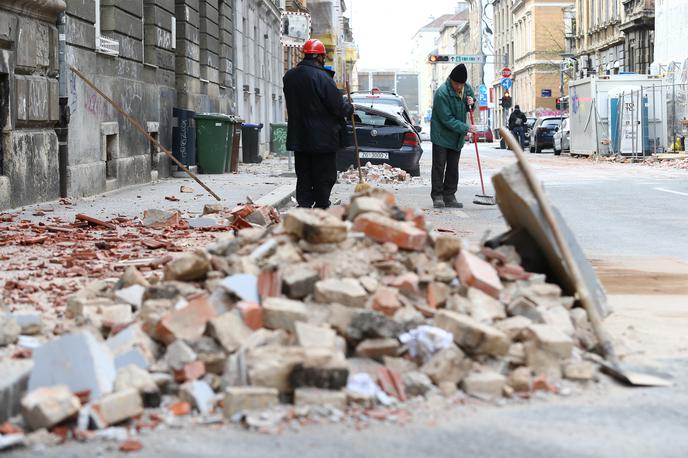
459, 74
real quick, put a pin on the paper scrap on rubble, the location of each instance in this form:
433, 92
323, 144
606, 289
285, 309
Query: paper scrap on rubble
424, 341
363, 384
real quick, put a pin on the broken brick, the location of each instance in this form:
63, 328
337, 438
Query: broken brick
252, 314
191, 371
314, 226
47, 406
384, 229
187, 323
475, 272
385, 300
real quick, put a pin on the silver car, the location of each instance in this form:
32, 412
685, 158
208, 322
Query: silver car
562, 138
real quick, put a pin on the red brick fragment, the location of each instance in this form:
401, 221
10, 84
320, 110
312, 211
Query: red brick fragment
191, 371
187, 323
385, 300
130, 445
475, 272
252, 314
391, 383
384, 229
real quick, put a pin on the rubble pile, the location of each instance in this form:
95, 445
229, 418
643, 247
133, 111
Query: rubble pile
328, 315
44, 262
378, 174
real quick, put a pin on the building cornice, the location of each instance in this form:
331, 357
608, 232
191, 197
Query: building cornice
40, 9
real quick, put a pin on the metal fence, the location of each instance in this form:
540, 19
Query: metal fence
648, 120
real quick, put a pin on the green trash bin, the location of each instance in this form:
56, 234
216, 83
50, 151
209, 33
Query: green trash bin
278, 139
213, 141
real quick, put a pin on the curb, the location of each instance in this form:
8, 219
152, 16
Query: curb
278, 197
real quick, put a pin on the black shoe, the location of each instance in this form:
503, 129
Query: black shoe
438, 203
452, 203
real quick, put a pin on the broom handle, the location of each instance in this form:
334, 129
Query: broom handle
567, 258
353, 125
477, 154
141, 129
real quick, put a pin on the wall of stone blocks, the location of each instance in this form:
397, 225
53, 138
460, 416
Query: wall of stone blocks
29, 161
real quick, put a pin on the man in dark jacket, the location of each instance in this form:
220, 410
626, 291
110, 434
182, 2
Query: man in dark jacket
517, 124
448, 130
316, 112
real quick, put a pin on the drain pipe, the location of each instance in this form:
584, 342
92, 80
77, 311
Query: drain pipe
62, 128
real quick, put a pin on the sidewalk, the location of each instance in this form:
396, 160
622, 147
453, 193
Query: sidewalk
44, 257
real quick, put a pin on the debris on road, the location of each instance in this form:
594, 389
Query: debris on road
377, 174
350, 315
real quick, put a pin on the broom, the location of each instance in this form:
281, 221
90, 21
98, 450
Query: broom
480, 199
362, 186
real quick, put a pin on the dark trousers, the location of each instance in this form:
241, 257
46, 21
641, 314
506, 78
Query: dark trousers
445, 172
316, 174
520, 134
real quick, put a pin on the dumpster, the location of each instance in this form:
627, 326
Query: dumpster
278, 139
184, 136
214, 135
250, 140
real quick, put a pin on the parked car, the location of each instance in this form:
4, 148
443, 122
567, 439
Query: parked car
529, 128
383, 101
542, 134
484, 134
562, 138
384, 137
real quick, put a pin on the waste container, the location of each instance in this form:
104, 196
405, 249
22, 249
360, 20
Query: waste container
184, 136
214, 134
250, 134
278, 139
233, 151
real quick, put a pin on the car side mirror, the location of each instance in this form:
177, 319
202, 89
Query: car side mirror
418, 129
556, 129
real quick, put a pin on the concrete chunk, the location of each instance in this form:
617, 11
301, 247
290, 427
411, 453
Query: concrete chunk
299, 283
187, 267
346, 291
9, 330
377, 348
319, 397
550, 339
311, 336
76, 360
281, 313
230, 330
271, 365
13, 384
447, 365
47, 406
471, 335
484, 384
117, 407
247, 398
314, 226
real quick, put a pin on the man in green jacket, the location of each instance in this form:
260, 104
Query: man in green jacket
448, 130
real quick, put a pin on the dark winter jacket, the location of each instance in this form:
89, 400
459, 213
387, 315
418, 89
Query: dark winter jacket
316, 109
448, 127
517, 119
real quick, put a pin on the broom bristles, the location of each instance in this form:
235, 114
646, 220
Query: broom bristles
362, 186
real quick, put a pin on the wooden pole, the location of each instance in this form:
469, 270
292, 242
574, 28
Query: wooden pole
567, 256
141, 129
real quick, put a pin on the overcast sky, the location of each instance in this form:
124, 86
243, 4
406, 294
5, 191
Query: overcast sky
383, 28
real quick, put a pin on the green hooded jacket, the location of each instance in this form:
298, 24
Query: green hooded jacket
448, 127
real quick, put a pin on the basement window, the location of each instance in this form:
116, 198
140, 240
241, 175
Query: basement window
111, 150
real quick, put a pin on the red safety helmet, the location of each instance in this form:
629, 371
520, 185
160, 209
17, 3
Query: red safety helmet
314, 47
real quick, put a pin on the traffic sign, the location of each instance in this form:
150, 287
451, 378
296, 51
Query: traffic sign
456, 59
482, 96
506, 72
507, 83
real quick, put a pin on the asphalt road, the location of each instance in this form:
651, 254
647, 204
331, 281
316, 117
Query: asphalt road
616, 210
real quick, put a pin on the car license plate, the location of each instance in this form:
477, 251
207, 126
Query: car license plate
371, 155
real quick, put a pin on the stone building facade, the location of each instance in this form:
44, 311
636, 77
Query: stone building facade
538, 47
599, 40
29, 103
639, 35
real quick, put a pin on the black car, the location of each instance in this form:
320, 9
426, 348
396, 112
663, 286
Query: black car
384, 137
542, 135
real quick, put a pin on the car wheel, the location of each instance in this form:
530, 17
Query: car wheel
415, 172
532, 149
